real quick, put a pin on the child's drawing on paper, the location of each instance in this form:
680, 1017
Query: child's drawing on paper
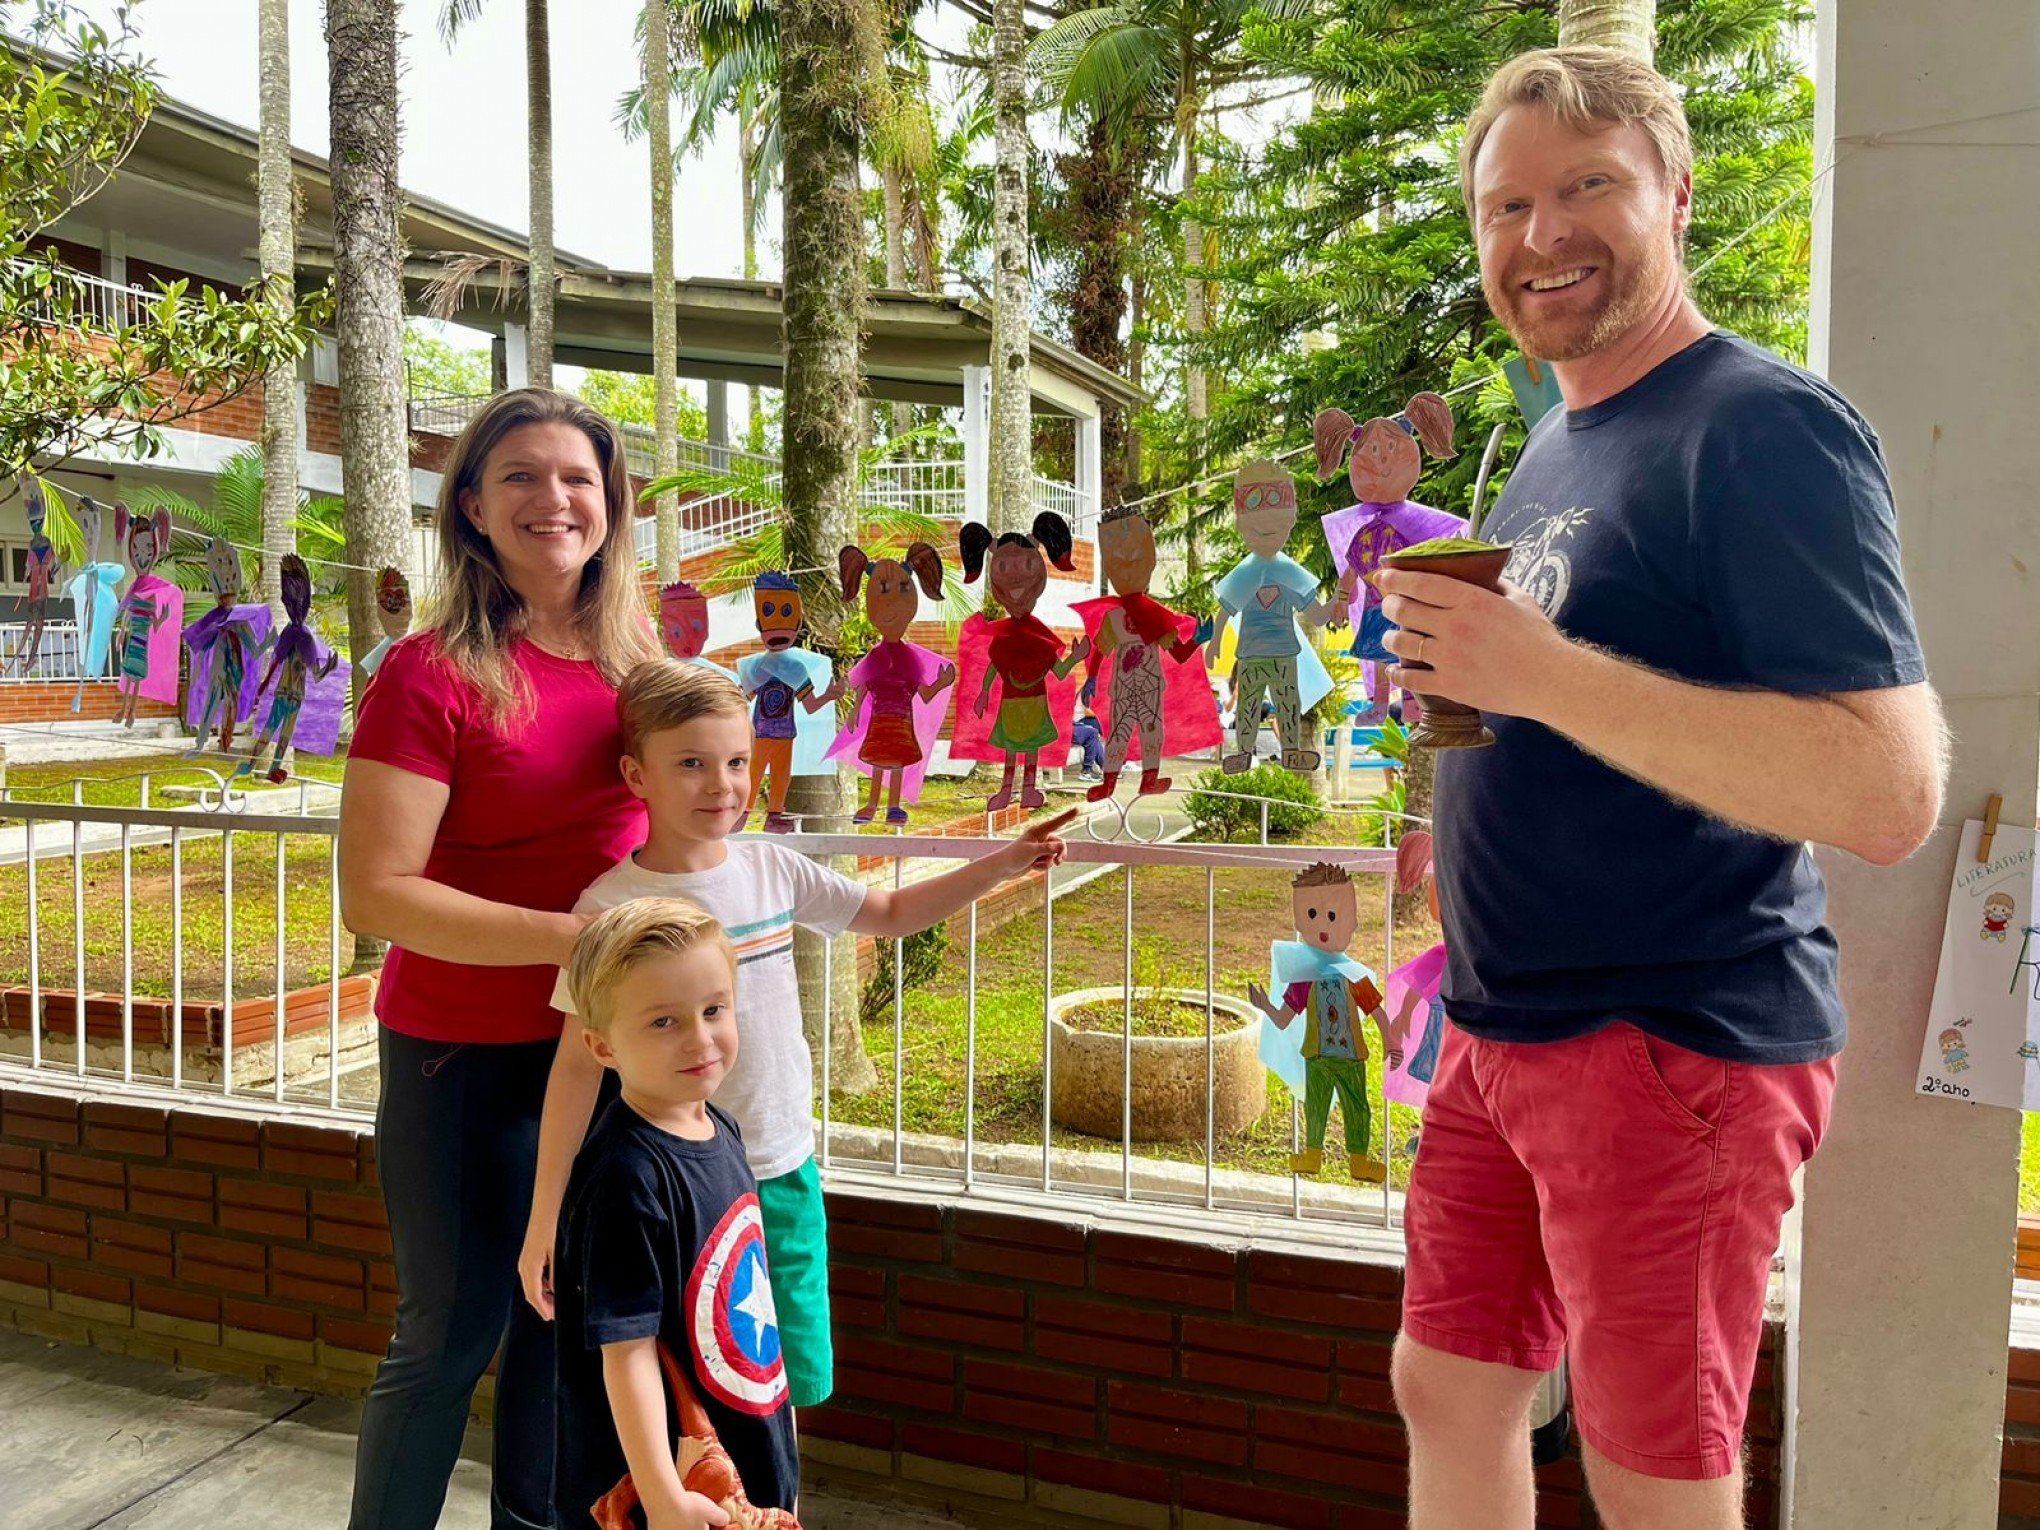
1955, 1048
1999, 909
899, 691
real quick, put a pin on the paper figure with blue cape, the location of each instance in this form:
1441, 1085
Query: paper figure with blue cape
1330, 993
150, 621
1274, 598
899, 690
93, 605
789, 688
683, 624
226, 644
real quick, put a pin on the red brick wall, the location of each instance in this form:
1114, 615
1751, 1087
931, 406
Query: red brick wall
50, 701
322, 418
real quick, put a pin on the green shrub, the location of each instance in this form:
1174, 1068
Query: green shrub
923, 951
1292, 798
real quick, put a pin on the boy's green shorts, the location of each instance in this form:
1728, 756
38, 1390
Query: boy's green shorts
797, 1253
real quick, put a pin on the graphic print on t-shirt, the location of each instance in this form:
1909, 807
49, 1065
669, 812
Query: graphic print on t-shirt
1539, 565
730, 1317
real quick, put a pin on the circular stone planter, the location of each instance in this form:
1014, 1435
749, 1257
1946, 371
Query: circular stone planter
1087, 1070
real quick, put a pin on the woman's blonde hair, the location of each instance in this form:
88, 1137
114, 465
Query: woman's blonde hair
477, 613
1589, 90
628, 935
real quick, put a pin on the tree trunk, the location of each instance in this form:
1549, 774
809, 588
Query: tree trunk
1101, 197
1136, 355
1627, 25
277, 249
1197, 400
539, 278
821, 96
747, 190
896, 264
665, 317
1417, 779
375, 463
1012, 486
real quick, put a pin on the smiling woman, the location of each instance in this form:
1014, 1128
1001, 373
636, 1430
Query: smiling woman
482, 795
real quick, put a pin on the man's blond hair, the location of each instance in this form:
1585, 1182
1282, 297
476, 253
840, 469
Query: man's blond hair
664, 693
627, 936
1589, 90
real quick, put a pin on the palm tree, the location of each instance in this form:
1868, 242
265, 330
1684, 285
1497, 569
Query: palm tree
240, 495
540, 276
277, 248
1012, 486
375, 463
665, 311
1627, 25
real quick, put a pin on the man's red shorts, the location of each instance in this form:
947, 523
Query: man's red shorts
1615, 1199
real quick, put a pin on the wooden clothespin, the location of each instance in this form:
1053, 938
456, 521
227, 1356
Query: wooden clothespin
1990, 823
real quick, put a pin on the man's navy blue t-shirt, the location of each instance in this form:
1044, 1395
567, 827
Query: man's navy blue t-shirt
1726, 520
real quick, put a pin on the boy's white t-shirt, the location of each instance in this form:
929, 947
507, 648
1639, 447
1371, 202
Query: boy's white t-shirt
758, 894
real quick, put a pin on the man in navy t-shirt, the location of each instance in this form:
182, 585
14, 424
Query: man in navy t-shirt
1703, 659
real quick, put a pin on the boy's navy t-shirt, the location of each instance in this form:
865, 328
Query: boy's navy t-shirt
661, 1237
1727, 520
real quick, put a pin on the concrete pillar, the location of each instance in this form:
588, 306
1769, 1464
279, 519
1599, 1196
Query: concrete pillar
115, 263
1090, 473
977, 444
1926, 313
718, 424
516, 356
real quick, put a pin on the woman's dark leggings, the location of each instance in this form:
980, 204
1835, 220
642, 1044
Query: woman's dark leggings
457, 1148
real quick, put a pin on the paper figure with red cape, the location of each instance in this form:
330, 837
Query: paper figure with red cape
1142, 672
899, 691
43, 569
1019, 655
392, 614
226, 644
683, 625
1325, 1058
297, 661
150, 620
1416, 988
1274, 597
93, 605
1384, 458
789, 690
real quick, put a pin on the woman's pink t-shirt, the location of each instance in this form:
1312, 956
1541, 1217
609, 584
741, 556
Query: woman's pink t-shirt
535, 814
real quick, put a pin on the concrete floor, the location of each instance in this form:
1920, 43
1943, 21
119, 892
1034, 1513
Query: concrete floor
96, 1440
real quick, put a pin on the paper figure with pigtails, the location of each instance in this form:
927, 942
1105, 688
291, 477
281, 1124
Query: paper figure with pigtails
225, 645
296, 660
1142, 673
392, 614
1384, 458
150, 619
1274, 597
1325, 1058
43, 569
683, 624
93, 606
1416, 1000
1019, 656
899, 691
789, 687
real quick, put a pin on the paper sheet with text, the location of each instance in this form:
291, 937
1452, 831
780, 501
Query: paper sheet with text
1983, 1032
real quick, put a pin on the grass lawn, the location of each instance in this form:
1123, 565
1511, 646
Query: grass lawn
117, 783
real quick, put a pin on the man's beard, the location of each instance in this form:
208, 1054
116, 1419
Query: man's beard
1631, 290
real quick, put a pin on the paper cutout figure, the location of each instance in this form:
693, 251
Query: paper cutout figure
392, 614
43, 569
1019, 654
150, 618
296, 658
1998, 910
1416, 988
789, 686
92, 600
1149, 689
1274, 598
899, 691
705, 1467
1955, 1047
1384, 461
683, 624
1331, 991
226, 644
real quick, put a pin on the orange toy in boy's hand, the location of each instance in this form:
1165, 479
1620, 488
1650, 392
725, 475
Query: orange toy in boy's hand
705, 1468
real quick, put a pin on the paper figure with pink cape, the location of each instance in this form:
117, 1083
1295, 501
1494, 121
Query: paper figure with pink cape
1416, 1002
150, 620
1384, 458
43, 570
1019, 655
302, 704
899, 691
1142, 672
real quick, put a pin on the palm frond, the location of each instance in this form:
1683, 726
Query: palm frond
455, 14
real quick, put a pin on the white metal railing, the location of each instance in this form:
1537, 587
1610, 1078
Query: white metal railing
203, 867
56, 656
80, 301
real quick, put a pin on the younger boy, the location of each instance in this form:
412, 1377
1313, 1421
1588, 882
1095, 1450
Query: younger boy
662, 1268
687, 753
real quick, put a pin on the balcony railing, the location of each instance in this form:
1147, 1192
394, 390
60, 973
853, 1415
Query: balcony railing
56, 658
75, 300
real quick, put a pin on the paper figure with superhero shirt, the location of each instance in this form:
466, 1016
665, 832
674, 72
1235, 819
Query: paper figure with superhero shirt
788, 686
1142, 673
1331, 993
683, 624
899, 691
1019, 655
1274, 597
1384, 458
150, 618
